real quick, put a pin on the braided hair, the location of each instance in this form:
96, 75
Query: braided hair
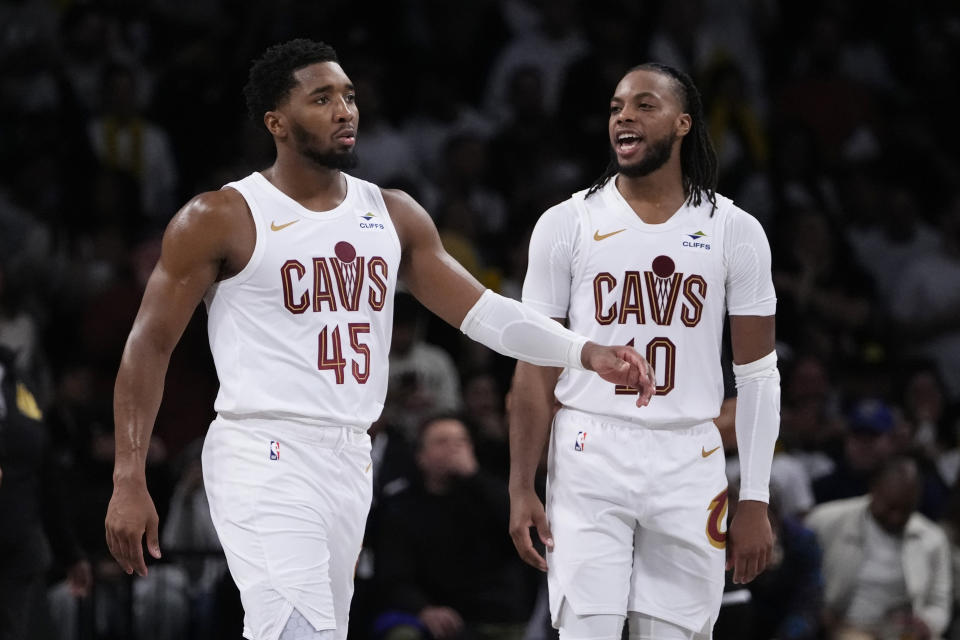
698, 160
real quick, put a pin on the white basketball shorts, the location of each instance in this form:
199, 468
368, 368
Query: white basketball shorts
289, 502
638, 519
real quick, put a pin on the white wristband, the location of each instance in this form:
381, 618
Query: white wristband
517, 331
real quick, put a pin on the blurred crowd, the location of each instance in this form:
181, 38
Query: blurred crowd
835, 125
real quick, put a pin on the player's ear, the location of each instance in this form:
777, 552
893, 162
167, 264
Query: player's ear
275, 123
684, 124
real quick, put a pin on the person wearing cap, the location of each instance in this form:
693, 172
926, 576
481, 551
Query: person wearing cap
869, 442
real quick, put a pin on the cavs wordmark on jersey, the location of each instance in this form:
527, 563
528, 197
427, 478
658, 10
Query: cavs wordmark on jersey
661, 288
303, 331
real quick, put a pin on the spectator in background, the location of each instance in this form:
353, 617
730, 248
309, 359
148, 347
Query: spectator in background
826, 300
423, 378
951, 526
385, 156
483, 405
20, 332
811, 427
444, 557
551, 47
124, 139
735, 125
440, 115
927, 306
867, 446
887, 569
35, 525
891, 239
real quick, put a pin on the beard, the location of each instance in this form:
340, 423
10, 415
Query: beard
308, 147
655, 157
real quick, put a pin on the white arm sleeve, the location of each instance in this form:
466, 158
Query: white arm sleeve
758, 424
517, 331
749, 280
546, 286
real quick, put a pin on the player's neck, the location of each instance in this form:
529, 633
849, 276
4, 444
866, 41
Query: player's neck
315, 187
654, 198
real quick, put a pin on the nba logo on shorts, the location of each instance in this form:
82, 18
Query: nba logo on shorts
274, 450
580, 443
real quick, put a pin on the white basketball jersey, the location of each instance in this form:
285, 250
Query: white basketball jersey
303, 331
662, 288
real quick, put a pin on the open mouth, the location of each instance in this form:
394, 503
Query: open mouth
628, 143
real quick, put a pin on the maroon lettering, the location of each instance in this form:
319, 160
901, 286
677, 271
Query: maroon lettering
378, 270
690, 315
289, 267
609, 282
631, 300
322, 286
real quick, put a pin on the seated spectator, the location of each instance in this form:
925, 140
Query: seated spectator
868, 444
445, 562
886, 568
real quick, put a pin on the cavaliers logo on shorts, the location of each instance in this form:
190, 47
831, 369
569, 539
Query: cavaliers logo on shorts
717, 517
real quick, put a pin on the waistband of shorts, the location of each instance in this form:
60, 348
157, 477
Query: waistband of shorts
692, 428
319, 433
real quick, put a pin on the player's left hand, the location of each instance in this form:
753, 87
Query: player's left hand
749, 541
621, 365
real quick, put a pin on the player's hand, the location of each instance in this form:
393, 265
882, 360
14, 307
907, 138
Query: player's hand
442, 622
527, 511
621, 365
130, 515
749, 541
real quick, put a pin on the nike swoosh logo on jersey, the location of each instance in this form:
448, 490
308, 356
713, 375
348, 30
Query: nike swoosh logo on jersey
277, 227
598, 236
707, 454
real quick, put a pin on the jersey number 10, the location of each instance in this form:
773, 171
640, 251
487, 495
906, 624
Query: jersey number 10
655, 349
330, 351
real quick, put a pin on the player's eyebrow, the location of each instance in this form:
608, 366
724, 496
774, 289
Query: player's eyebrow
636, 96
329, 87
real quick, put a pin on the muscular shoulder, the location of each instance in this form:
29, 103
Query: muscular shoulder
210, 211
410, 218
211, 227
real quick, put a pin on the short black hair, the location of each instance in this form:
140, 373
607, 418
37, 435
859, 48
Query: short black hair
271, 76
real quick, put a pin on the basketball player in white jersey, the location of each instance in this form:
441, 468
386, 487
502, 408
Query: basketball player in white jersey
298, 265
649, 256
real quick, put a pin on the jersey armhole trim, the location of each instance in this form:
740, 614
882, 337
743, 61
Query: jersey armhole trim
582, 246
258, 247
377, 195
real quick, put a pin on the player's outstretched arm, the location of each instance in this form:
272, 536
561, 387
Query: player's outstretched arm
530, 412
189, 263
750, 539
504, 325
